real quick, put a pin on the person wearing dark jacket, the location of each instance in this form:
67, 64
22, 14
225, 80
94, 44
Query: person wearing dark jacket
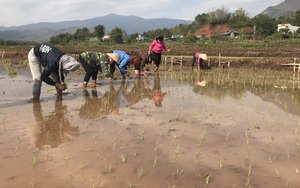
49, 64
92, 63
139, 59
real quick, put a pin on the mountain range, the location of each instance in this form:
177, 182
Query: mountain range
285, 9
43, 31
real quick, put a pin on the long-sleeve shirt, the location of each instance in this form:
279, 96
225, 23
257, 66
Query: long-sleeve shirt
157, 47
98, 61
49, 57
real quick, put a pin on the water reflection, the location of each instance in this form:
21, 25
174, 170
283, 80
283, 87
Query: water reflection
98, 106
54, 129
109, 103
158, 95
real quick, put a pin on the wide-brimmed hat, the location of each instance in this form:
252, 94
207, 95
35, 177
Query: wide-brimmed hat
114, 57
203, 56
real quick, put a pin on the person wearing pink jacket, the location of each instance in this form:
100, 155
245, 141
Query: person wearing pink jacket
155, 49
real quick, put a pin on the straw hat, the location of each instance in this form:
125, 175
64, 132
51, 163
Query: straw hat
203, 56
114, 57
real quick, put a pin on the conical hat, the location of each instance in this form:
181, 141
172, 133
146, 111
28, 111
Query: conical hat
114, 57
203, 56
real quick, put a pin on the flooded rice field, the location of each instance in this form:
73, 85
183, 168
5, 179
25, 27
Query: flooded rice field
220, 128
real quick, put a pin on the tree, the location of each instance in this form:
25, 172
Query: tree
202, 19
265, 26
219, 16
116, 35
296, 18
240, 19
81, 34
99, 31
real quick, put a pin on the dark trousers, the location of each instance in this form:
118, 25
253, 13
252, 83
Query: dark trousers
156, 57
90, 71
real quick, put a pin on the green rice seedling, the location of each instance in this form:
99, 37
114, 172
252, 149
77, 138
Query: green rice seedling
66, 156
35, 159
222, 161
101, 184
154, 162
287, 183
70, 178
277, 173
140, 171
207, 179
178, 173
124, 159
109, 169
247, 137
82, 165
247, 183
272, 159
32, 183
135, 152
114, 146
130, 185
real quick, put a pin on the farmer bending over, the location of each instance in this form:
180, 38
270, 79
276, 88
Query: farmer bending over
92, 63
49, 64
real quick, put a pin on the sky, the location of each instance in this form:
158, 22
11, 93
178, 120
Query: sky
22, 12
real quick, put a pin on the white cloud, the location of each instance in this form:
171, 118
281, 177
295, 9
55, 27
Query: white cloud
20, 12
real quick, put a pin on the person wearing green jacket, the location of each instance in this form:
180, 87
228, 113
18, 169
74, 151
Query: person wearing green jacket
92, 63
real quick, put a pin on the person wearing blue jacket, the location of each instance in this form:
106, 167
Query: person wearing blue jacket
124, 59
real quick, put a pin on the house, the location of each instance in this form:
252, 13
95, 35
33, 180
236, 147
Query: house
208, 31
140, 38
105, 38
174, 37
231, 33
290, 27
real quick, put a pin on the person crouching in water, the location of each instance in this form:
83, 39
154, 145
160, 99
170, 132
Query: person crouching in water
199, 58
92, 63
139, 60
122, 61
49, 64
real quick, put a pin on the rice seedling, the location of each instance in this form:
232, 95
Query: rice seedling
124, 159
109, 169
130, 185
277, 173
247, 183
178, 173
222, 161
140, 171
135, 152
207, 179
82, 165
70, 178
154, 162
272, 159
35, 159
247, 137
32, 183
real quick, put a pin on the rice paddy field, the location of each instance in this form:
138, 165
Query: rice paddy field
173, 129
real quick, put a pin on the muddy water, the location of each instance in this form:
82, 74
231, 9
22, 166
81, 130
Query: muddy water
223, 128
